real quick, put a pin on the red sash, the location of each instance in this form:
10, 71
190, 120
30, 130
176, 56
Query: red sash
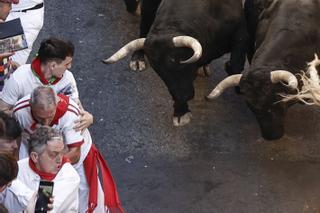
36, 68
111, 199
44, 175
62, 108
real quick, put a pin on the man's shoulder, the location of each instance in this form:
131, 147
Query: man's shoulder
67, 171
23, 165
22, 71
23, 162
68, 75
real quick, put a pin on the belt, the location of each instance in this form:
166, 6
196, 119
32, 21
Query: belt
38, 6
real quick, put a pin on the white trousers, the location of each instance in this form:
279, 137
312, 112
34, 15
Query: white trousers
84, 194
32, 22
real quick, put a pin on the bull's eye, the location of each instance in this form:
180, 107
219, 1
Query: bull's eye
172, 59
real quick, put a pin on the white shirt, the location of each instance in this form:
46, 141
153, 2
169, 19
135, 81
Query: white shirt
25, 4
23, 81
17, 197
65, 189
22, 113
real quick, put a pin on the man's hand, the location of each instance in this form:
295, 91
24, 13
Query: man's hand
14, 65
50, 204
6, 55
84, 121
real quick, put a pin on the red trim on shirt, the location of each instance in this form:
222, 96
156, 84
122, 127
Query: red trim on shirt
18, 103
76, 108
44, 175
36, 68
76, 144
62, 108
24, 106
70, 110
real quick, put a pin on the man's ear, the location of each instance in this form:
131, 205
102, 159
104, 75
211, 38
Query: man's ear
34, 157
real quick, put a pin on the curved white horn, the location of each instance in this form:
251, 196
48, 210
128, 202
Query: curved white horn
124, 51
232, 80
283, 75
312, 70
188, 41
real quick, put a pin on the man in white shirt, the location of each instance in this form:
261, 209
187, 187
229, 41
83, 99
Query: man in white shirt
17, 195
49, 68
31, 13
14, 195
43, 107
46, 162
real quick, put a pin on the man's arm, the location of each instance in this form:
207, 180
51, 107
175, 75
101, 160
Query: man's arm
73, 154
5, 107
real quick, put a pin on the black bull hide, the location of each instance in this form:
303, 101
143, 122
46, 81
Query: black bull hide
284, 34
218, 25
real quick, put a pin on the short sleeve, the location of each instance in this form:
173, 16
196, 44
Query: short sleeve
74, 88
10, 92
71, 137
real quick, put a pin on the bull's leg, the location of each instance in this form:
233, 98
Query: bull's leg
137, 62
133, 7
238, 50
182, 115
238, 53
148, 13
204, 71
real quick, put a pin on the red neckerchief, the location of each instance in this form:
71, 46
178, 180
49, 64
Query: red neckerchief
92, 162
44, 175
62, 108
36, 69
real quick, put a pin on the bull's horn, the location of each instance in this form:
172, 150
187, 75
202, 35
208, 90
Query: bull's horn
232, 80
124, 51
283, 75
312, 70
187, 41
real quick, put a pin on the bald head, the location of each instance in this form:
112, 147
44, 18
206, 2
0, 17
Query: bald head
43, 102
42, 97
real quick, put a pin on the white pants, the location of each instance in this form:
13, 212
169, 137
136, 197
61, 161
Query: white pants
84, 194
32, 22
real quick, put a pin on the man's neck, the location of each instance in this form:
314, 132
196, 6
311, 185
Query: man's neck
46, 72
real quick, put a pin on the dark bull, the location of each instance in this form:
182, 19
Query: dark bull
186, 35
284, 35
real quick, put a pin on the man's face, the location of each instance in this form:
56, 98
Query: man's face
50, 159
58, 69
8, 145
4, 10
44, 116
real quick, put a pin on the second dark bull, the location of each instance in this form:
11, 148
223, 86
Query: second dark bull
186, 35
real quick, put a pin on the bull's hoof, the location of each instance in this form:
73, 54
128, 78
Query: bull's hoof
137, 65
204, 71
183, 120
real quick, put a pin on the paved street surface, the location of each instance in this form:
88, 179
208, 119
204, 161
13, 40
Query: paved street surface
218, 163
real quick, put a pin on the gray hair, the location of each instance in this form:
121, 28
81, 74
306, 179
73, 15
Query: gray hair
43, 96
39, 139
